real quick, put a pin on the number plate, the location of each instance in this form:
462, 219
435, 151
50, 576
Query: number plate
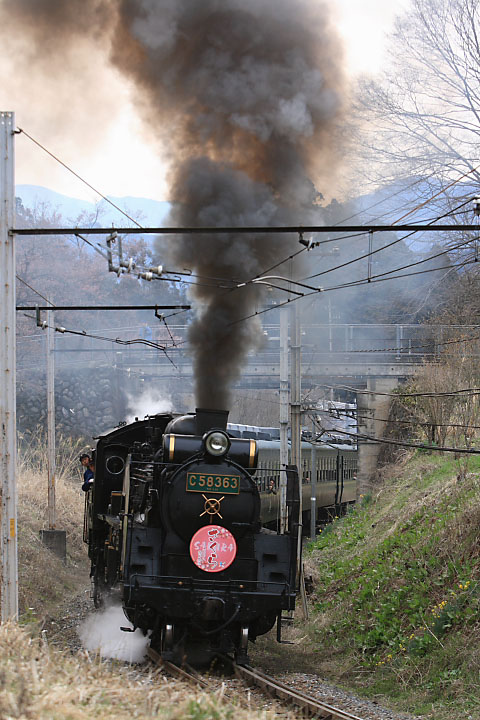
222, 484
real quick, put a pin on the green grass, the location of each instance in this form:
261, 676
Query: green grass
398, 593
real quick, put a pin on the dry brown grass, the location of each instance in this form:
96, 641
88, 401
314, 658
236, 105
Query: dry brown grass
44, 581
40, 684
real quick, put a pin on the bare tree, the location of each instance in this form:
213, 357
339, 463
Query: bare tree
422, 117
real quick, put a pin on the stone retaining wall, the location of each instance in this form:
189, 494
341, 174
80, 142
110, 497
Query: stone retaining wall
88, 401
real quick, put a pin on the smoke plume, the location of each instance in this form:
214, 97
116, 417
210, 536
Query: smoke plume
247, 97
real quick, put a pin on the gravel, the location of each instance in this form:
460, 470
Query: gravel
61, 630
324, 691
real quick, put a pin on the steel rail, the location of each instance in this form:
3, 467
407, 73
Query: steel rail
182, 673
251, 676
191, 676
308, 704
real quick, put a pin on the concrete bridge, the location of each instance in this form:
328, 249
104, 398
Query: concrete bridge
342, 350
372, 358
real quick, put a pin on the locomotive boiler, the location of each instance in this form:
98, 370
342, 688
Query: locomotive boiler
173, 524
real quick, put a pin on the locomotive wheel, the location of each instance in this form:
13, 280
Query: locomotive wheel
244, 638
167, 637
241, 655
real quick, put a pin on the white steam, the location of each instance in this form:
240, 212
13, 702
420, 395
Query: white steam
149, 402
100, 633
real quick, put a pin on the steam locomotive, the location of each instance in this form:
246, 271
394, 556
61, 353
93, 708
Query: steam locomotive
173, 522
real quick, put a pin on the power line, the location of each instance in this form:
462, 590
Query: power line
400, 443
106, 307
376, 278
442, 190
380, 202
404, 350
385, 247
118, 341
452, 393
79, 177
420, 180
353, 283
372, 277
395, 421
35, 291
380, 278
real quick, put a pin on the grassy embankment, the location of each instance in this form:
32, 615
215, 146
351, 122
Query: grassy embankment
43, 684
397, 590
44, 581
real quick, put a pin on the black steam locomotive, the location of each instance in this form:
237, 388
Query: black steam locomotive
173, 523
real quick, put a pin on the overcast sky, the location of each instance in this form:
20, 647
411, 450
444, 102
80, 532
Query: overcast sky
124, 161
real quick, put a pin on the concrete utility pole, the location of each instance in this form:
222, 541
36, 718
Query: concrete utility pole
313, 485
51, 419
8, 447
55, 540
296, 416
296, 390
283, 416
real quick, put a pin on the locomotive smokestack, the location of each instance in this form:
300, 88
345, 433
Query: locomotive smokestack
208, 419
246, 97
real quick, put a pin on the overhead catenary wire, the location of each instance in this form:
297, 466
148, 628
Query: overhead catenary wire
395, 421
343, 286
368, 280
407, 350
384, 247
372, 277
118, 341
402, 443
359, 391
244, 229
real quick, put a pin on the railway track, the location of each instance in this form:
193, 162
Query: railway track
292, 698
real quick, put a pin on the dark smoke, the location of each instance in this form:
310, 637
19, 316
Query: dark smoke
246, 97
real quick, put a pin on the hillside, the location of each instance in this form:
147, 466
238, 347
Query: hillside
396, 599
146, 211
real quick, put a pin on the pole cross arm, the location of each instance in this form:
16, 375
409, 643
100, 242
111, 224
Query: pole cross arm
258, 230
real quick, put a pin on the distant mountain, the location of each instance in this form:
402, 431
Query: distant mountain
382, 206
150, 213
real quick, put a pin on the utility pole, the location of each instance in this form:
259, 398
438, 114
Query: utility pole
295, 401
296, 415
51, 419
313, 484
8, 446
55, 540
283, 416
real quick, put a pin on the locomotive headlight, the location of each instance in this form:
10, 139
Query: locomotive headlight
217, 443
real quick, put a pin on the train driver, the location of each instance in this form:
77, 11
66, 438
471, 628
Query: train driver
89, 474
